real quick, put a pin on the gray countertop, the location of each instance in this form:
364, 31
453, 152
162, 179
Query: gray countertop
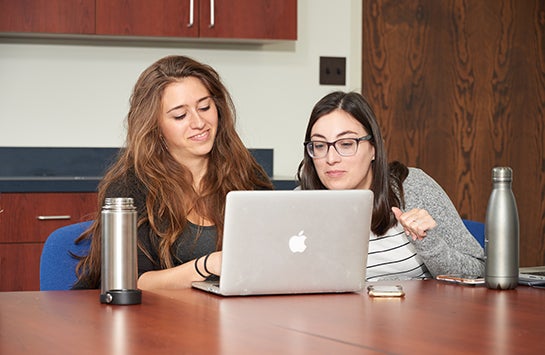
82, 184
49, 184
50, 169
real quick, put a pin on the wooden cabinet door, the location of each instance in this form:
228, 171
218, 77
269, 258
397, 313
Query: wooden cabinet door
234, 19
31, 217
164, 18
249, 19
26, 221
48, 16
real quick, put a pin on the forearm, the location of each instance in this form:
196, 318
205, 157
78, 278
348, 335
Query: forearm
449, 248
441, 259
180, 276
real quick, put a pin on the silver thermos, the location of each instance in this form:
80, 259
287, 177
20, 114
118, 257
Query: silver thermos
501, 233
119, 272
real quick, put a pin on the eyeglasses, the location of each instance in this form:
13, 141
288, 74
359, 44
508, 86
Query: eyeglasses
345, 146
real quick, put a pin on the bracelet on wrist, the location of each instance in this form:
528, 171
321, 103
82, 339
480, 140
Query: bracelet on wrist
205, 267
197, 268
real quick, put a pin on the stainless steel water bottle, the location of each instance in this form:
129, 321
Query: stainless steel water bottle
119, 272
501, 233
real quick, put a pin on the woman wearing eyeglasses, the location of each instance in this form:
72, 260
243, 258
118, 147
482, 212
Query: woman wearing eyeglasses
416, 230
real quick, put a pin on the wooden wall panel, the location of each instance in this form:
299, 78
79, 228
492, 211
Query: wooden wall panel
459, 87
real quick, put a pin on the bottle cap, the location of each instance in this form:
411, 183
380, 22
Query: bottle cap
502, 173
118, 203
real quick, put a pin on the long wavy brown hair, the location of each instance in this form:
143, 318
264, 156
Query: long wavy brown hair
387, 178
169, 184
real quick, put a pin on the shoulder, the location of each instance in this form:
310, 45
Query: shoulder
416, 174
419, 185
422, 190
418, 178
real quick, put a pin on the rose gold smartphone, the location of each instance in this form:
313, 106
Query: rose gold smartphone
462, 279
385, 291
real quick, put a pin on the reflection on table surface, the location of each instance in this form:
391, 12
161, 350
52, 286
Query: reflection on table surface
433, 317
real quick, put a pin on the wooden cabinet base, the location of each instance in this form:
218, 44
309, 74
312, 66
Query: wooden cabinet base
20, 266
26, 222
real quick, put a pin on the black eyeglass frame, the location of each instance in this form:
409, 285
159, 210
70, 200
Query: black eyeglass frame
329, 144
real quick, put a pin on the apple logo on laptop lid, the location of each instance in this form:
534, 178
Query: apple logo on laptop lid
297, 242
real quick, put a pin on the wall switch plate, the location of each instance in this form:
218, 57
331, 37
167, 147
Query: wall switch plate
332, 71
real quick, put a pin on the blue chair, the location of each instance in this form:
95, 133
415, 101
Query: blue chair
57, 265
476, 229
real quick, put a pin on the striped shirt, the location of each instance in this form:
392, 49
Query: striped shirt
393, 257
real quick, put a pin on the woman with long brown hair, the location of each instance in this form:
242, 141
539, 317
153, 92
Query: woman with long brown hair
181, 157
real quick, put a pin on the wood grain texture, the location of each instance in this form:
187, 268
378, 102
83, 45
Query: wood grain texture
440, 318
250, 19
49, 16
22, 234
20, 266
169, 18
459, 87
245, 19
19, 223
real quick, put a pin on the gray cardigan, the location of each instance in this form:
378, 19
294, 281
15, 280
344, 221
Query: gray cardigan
449, 248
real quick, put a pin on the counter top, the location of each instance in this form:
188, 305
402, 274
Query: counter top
53, 169
49, 183
83, 183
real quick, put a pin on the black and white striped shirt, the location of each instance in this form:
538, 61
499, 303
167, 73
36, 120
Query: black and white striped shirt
392, 256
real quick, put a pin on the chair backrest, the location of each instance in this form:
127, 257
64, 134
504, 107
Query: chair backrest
57, 265
476, 229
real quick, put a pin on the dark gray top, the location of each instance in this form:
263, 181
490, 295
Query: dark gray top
194, 242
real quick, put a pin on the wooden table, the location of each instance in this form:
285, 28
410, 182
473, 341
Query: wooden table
433, 318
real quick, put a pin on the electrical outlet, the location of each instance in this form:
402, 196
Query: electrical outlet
332, 71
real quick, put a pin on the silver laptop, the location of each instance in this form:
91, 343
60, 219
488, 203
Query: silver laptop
287, 242
534, 275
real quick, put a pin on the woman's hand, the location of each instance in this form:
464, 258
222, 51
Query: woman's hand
416, 222
180, 276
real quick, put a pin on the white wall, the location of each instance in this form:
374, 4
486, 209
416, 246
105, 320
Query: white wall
75, 94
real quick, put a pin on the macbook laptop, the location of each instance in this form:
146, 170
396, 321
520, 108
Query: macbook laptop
534, 275
289, 242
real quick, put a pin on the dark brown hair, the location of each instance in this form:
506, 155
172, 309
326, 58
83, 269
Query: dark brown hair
387, 180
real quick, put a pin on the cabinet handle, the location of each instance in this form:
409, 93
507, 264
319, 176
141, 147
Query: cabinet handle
47, 218
212, 15
191, 13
